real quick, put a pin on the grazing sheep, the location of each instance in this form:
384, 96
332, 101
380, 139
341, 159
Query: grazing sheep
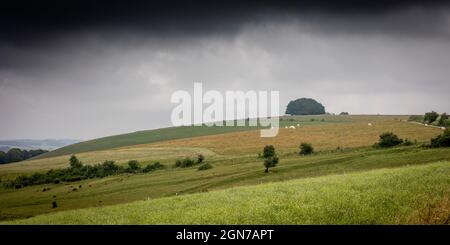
285, 127
369, 124
298, 125
292, 127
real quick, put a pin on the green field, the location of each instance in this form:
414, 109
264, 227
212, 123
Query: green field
343, 145
387, 196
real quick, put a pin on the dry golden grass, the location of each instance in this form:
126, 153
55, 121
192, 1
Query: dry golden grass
322, 137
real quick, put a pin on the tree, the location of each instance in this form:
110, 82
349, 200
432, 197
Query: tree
442, 119
305, 106
431, 116
344, 113
13, 155
306, 149
389, 139
270, 157
2, 157
74, 162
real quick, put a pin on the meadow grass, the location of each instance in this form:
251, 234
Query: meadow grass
384, 196
227, 172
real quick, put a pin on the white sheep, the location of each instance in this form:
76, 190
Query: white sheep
369, 124
292, 127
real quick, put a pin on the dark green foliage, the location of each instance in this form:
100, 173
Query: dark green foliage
430, 116
205, 166
17, 155
344, 113
79, 172
306, 149
305, 106
442, 120
442, 140
185, 163
270, 157
74, 162
133, 166
389, 139
152, 167
268, 151
200, 158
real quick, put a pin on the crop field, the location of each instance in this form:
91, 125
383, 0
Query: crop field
386, 196
235, 161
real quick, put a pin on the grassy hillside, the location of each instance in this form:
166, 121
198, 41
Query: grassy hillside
386, 196
333, 132
227, 172
163, 134
141, 137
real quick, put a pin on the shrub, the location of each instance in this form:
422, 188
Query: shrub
407, 142
431, 116
270, 157
442, 140
344, 113
74, 162
205, 166
185, 163
133, 166
152, 167
54, 204
306, 149
200, 158
389, 139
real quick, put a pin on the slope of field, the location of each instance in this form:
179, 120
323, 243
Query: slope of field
387, 196
333, 132
227, 172
156, 135
141, 137
323, 137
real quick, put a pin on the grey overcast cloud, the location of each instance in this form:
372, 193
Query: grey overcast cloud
90, 73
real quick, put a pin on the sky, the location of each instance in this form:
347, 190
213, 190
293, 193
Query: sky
86, 70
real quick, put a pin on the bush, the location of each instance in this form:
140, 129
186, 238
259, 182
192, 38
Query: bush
133, 166
74, 162
152, 167
344, 113
200, 158
205, 166
407, 142
431, 116
185, 163
306, 149
389, 139
442, 140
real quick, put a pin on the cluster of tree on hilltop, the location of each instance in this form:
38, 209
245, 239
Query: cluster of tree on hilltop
17, 155
305, 106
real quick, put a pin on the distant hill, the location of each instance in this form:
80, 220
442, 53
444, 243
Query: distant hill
29, 144
142, 137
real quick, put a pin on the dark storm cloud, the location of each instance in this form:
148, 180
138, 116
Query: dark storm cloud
92, 69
